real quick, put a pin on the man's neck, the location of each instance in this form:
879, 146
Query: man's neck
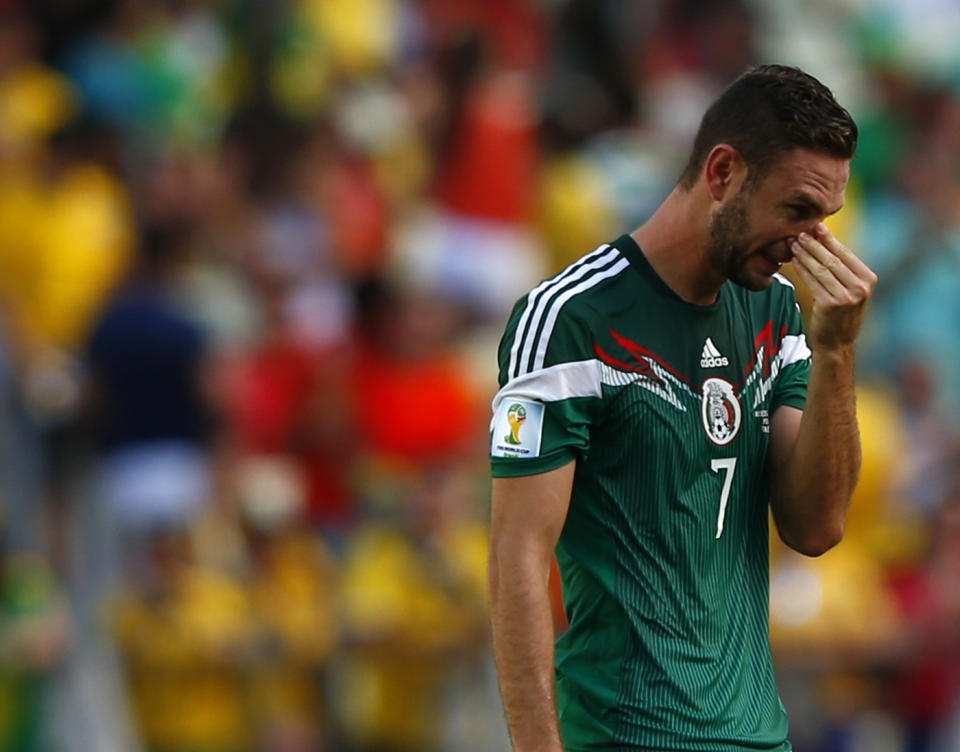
674, 241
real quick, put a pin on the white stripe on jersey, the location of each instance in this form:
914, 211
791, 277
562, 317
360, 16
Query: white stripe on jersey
793, 348
580, 378
591, 281
585, 378
537, 303
533, 298
786, 283
783, 280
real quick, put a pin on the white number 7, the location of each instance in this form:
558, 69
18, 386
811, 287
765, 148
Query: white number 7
729, 464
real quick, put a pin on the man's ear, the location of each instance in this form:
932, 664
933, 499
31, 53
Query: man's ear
723, 171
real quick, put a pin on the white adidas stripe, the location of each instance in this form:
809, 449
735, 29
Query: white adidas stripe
783, 280
569, 277
787, 283
534, 298
581, 378
559, 302
793, 349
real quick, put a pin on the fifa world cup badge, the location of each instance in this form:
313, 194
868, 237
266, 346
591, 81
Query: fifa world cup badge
517, 429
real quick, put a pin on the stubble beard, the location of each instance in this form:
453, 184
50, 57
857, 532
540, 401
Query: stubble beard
727, 250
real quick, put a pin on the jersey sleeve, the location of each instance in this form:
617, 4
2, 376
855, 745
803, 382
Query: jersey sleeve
790, 387
550, 391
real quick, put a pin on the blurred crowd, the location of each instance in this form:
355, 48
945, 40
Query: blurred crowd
255, 258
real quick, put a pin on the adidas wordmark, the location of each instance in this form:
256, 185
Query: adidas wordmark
711, 357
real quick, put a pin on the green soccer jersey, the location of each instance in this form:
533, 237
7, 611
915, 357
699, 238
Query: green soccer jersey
665, 407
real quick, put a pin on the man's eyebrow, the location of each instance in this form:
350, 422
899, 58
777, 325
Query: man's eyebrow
813, 205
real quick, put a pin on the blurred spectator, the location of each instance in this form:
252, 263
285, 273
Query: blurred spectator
151, 408
23, 521
411, 399
479, 248
153, 71
66, 233
185, 635
414, 615
293, 586
931, 449
34, 634
927, 683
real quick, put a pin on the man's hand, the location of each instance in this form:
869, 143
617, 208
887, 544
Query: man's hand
841, 285
815, 455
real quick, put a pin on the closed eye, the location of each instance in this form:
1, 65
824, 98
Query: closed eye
802, 211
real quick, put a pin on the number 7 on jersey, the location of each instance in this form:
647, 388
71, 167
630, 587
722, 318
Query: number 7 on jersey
729, 464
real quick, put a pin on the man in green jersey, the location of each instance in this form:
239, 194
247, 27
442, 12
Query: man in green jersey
651, 412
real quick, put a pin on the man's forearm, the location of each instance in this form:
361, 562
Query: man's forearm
811, 498
523, 641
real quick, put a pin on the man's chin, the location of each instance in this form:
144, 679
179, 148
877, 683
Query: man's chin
754, 282
756, 273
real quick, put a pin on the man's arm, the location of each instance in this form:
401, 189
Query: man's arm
526, 519
815, 454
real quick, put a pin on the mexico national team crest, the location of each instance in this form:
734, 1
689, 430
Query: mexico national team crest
720, 411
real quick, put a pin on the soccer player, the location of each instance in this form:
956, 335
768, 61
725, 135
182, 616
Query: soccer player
657, 397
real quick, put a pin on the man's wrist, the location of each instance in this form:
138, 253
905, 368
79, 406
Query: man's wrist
841, 354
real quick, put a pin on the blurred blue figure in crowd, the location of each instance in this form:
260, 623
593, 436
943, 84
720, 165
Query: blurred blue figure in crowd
148, 409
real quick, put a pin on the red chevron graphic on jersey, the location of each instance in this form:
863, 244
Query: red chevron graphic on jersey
644, 367
641, 354
770, 348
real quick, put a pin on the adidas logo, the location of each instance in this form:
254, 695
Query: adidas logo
711, 357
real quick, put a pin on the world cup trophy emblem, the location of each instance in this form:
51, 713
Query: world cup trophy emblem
516, 415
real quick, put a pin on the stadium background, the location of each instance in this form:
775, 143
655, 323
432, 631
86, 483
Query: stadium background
255, 258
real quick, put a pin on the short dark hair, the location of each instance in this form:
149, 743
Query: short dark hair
768, 110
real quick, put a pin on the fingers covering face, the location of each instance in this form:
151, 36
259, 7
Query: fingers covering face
848, 257
831, 270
